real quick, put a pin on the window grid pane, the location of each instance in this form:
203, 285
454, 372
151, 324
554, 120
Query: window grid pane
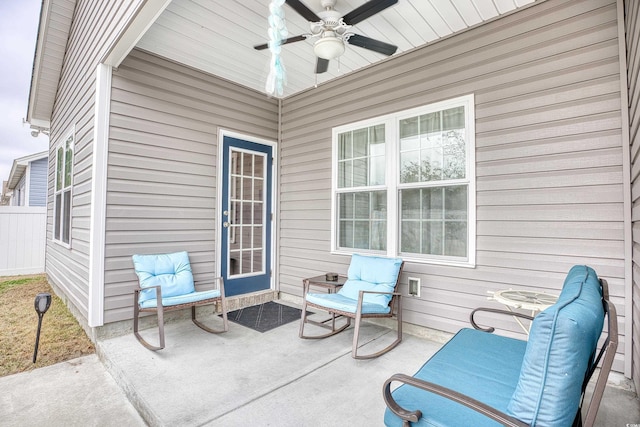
362, 220
433, 221
362, 157
63, 184
433, 147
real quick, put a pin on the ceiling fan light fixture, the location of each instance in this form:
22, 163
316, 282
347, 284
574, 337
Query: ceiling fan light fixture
328, 47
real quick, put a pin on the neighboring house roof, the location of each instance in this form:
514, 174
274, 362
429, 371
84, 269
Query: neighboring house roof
19, 167
53, 33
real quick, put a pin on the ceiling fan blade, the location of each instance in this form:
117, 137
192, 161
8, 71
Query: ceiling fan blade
322, 65
367, 10
285, 41
372, 44
303, 10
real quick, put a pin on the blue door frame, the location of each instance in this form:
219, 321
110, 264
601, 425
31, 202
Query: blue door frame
245, 220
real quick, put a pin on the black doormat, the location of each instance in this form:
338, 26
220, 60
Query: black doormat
265, 317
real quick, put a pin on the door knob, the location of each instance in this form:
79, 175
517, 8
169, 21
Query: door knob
225, 224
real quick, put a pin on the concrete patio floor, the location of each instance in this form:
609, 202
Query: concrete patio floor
239, 378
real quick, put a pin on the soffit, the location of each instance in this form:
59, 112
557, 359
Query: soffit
217, 36
53, 33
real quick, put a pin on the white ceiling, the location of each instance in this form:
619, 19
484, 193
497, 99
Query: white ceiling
217, 36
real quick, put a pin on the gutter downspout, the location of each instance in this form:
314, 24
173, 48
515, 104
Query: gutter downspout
626, 187
276, 198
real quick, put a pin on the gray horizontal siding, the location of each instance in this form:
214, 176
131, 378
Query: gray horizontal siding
94, 27
548, 146
632, 27
162, 167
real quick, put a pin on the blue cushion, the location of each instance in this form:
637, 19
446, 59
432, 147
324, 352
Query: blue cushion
481, 365
370, 273
342, 303
561, 347
172, 272
181, 299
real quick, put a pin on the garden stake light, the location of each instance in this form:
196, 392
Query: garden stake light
42, 303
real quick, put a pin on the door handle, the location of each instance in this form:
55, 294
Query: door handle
225, 224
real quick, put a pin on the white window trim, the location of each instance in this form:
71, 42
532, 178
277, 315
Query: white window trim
392, 134
71, 133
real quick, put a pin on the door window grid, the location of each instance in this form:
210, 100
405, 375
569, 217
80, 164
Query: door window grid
247, 207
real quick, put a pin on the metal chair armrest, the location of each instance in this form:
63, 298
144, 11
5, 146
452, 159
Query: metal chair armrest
380, 292
361, 297
157, 288
494, 310
413, 416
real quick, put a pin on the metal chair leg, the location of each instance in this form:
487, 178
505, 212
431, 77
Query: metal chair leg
136, 316
354, 350
333, 330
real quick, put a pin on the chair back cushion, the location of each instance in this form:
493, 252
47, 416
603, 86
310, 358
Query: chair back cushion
371, 273
172, 272
561, 348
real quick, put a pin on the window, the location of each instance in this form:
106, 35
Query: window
362, 196
62, 193
404, 184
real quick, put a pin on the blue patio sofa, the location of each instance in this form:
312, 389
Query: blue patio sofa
482, 379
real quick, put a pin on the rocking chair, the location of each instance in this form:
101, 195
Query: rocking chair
166, 283
369, 292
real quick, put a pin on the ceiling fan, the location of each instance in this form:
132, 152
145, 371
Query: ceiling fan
333, 30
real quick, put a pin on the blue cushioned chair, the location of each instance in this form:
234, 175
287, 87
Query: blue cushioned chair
482, 379
369, 292
168, 278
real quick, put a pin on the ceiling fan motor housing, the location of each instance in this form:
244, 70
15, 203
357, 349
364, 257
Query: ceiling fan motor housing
331, 20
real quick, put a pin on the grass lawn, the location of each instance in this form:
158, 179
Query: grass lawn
61, 337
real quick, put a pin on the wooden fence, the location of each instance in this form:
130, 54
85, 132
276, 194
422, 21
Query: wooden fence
22, 240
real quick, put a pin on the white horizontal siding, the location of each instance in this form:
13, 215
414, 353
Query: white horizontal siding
548, 151
162, 168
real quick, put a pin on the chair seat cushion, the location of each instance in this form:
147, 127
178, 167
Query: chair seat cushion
478, 364
181, 299
343, 303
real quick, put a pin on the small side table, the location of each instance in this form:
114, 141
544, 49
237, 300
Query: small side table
331, 286
526, 300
